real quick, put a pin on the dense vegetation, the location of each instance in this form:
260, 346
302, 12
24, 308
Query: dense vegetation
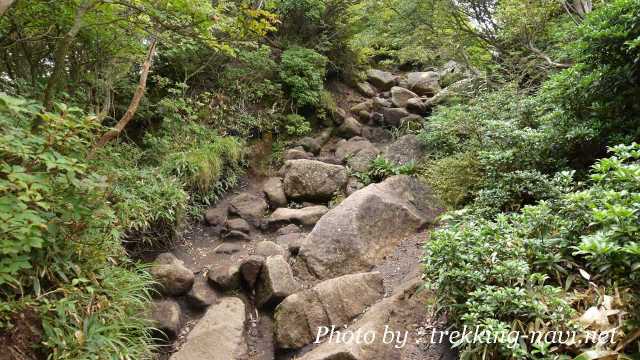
537, 161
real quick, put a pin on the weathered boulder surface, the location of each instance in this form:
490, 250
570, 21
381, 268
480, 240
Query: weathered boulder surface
346, 149
393, 116
238, 225
269, 248
276, 282
250, 269
383, 80
249, 207
366, 89
404, 150
225, 276
332, 302
350, 128
296, 153
306, 216
219, 335
313, 180
424, 83
376, 134
216, 216
397, 313
363, 106
274, 190
365, 227
400, 96
310, 144
416, 106
379, 103
172, 276
166, 317
201, 294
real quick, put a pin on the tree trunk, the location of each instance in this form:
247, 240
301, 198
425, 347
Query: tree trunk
5, 5
582, 7
60, 54
135, 101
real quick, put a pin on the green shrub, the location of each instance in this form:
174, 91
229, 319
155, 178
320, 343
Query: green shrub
61, 253
524, 271
302, 71
296, 125
381, 168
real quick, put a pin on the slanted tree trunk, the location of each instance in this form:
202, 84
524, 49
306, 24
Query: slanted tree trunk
135, 101
60, 53
5, 5
582, 7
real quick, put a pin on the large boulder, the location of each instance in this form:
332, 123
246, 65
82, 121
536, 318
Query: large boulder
216, 216
173, 277
166, 317
398, 314
379, 103
226, 277
201, 294
424, 83
219, 335
400, 96
310, 144
350, 128
249, 207
313, 180
296, 153
274, 190
366, 227
416, 106
383, 80
269, 248
332, 302
366, 89
393, 116
406, 149
347, 149
276, 282
250, 269
376, 134
306, 216
363, 106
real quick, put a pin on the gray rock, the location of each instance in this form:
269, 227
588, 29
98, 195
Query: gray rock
376, 134
228, 248
463, 87
392, 116
306, 216
249, 207
424, 83
333, 302
363, 106
323, 136
167, 317
416, 106
398, 314
339, 115
291, 242
274, 190
216, 216
380, 103
219, 335
348, 149
411, 121
350, 128
400, 96
406, 149
310, 144
225, 276
354, 185
366, 226
250, 269
238, 225
172, 276
269, 248
383, 80
366, 89
289, 229
201, 294
313, 180
296, 154
276, 282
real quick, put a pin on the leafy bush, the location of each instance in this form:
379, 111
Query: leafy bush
303, 71
526, 271
297, 125
381, 168
61, 253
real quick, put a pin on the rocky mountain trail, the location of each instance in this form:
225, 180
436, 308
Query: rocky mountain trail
309, 245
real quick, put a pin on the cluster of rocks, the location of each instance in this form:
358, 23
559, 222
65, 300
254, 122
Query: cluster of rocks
337, 247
